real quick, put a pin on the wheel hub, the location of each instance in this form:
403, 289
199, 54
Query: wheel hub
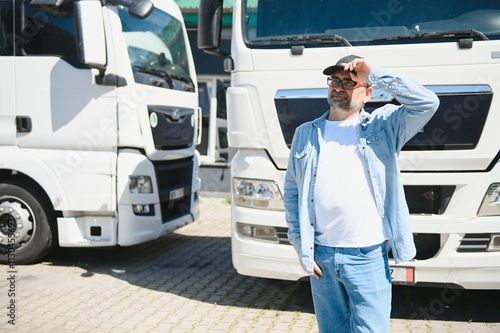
15, 223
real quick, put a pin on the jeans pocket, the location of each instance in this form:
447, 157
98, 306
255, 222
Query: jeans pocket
324, 255
373, 251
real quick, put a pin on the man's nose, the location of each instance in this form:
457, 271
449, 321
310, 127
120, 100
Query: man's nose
339, 88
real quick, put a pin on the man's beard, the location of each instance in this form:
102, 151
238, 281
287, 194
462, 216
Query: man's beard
341, 101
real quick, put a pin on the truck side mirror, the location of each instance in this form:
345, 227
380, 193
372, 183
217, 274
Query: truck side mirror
91, 43
136, 8
210, 26
140, 8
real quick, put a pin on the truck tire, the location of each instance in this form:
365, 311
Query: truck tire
26, 224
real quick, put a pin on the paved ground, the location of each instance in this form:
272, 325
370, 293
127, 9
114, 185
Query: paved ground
185, 283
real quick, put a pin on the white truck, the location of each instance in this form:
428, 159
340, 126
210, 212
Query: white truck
98, 125
450, 170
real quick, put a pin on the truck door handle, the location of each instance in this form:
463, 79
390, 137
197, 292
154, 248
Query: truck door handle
23, 124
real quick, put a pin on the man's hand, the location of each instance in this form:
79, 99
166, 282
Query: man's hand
317, 271
359, 69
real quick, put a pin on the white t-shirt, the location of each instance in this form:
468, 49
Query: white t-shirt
346, 213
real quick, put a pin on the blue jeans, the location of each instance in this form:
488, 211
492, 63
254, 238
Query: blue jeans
354, 292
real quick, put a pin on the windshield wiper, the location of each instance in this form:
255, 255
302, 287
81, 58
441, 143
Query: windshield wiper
157, 72
438, 34
183, 78
308, 38
188, 82
326, 38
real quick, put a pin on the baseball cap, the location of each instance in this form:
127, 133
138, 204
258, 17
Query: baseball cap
337, 67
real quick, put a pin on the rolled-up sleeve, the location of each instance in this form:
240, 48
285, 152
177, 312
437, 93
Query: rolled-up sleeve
418, 104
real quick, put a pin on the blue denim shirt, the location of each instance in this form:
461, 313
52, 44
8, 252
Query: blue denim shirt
382, 135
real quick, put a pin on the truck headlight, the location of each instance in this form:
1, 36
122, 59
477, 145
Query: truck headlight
494, 243
140, 184
491, 201
254, 193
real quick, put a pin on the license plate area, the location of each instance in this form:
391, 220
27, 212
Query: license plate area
403, 275
176, 194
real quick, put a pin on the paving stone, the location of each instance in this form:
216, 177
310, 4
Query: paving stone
185, 282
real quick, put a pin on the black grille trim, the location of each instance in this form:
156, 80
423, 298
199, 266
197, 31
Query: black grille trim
173, 176
474, 243
457, 124
172, 128
428, 199
282, 235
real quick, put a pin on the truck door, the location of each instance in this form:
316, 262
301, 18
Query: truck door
66, 119
54, 90
7, 106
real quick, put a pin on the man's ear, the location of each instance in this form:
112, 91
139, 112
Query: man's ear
368, 94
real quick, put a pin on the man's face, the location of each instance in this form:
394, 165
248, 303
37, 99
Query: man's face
342, 99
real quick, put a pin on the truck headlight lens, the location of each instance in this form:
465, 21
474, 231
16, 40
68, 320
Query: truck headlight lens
140, 184
263, 233
491, 202
494, 243
256, 193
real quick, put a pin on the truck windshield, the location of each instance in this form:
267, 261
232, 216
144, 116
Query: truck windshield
157, 50
275, 23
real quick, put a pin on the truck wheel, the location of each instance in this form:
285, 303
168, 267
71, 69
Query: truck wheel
26, 232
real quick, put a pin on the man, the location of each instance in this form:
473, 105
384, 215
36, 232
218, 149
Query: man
345, 205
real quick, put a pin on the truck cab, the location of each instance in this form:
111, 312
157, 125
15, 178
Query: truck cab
98, 125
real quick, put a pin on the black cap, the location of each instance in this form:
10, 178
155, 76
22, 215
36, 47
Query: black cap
337, 67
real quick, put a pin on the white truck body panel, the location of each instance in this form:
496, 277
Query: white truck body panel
265, 74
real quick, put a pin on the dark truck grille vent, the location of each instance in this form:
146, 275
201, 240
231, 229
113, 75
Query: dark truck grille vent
428, 245
282, 235
174, 185
428, 199
172, 128
457, 124
474, 243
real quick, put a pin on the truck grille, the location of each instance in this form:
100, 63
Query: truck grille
172, 128
457, 124
428, 199
174, 178
427, 245
474, 243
